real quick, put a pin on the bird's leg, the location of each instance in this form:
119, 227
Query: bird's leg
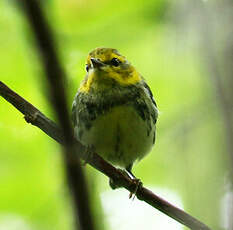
113, 184
135, 180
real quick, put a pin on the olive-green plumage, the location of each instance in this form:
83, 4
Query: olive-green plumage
114, 112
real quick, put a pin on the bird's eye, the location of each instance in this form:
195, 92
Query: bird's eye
87, 68
115, 62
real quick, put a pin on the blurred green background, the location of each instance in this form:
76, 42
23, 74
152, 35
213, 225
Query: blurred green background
189, 164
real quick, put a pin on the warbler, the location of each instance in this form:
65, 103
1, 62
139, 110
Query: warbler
114, 111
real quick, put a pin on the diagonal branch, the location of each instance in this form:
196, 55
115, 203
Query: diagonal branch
35, 117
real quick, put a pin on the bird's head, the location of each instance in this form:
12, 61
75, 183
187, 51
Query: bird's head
106, 67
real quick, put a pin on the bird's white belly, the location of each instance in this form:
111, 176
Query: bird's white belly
120, 136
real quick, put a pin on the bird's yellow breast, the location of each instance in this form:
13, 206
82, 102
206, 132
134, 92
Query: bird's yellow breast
120, 136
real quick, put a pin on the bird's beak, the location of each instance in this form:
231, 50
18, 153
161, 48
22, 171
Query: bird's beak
96, 63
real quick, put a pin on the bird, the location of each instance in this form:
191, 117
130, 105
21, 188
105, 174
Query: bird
114, 112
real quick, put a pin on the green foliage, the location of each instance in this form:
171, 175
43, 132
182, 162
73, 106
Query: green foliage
190, 153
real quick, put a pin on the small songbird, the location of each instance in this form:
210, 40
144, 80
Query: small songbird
114, 112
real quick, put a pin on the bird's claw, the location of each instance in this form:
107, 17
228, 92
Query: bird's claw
138, 185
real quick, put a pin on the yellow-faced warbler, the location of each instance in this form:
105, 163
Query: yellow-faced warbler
114, 112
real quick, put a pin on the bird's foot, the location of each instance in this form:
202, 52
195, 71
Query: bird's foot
112, 184
136, 181
138, 185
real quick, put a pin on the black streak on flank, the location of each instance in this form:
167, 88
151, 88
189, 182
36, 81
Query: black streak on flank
140, 108
150, 93
154, 138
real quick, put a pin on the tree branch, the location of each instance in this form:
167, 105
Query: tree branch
35, 117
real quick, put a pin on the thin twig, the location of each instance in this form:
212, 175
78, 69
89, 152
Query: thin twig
56, 79
98, 163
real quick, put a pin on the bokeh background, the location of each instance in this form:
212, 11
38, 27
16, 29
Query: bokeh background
184, 51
